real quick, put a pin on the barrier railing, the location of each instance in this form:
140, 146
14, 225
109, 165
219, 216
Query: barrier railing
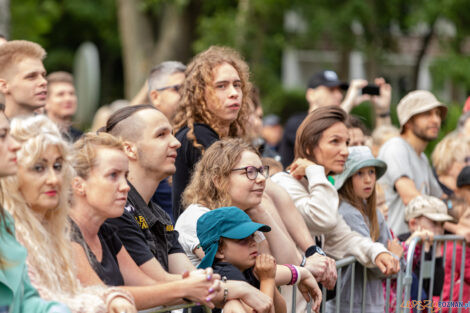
404, 278
162, 309
404, 281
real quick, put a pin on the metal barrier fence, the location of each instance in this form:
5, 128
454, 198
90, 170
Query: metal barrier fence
404, 281
162, 309
404, 278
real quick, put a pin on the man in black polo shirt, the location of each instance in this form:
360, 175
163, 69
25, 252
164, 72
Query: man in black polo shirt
145, 229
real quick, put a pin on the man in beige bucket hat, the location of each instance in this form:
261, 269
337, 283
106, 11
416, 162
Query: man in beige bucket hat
409, 174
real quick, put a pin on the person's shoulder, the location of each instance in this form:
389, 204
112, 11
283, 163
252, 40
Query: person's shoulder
282, 176
108, 230
195, 207
190, 215
393, 146
296, 119
347, 209
228, 270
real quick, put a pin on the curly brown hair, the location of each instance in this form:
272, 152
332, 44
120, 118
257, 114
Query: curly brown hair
199, 77
210, 181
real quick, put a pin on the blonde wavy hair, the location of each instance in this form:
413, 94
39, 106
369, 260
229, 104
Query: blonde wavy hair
198, 86
452, 148
47, 241
210, 181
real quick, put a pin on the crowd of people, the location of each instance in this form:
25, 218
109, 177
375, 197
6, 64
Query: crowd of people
186, 194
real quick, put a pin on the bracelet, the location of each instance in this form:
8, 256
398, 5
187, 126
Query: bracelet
224, 279
294, 272
304, 260
384, 115
298, 275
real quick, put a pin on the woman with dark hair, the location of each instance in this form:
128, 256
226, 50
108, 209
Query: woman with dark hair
214, 105
321, 150
16, 292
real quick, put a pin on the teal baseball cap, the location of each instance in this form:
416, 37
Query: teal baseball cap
229, 222
359, 157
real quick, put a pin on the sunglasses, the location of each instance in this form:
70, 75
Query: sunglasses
174, 87
251, 172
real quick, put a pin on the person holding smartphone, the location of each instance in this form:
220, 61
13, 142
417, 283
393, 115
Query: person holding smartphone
324, 88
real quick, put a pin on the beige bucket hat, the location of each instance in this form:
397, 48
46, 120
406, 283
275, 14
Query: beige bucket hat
416, 102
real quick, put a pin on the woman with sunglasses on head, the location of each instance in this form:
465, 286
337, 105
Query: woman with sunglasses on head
37, 198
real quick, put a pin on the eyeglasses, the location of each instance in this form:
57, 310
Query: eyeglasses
174, 87
252, 172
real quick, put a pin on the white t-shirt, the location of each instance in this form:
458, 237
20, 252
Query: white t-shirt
186, 227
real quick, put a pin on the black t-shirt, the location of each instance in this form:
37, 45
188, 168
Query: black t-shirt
286, 147
108, 269
146, 230
187, 157
232, 273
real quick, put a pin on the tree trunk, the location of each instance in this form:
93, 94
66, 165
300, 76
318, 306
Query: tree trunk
5, 18
137, 43
142, 49
426, 41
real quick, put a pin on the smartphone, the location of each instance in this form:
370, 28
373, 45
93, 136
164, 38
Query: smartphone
371, 90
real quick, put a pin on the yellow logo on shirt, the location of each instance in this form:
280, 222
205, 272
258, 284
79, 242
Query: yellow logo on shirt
142, 222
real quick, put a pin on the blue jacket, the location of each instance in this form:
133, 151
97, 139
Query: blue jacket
17, 295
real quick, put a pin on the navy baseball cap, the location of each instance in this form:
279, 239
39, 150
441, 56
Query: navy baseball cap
228, 222
464, 177
326, 78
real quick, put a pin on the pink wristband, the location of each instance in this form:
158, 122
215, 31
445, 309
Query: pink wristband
295, 274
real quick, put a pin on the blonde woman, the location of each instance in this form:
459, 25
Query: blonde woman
37, 198
17, 295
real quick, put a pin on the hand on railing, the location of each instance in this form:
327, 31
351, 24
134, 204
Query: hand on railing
387, 263
426, 235
308, 286
121, 305
323, 270
395, 247
203, 286
462, 228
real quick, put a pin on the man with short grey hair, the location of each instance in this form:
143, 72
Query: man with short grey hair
164, 83
409, 174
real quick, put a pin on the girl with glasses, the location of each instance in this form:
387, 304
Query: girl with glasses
229, 174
